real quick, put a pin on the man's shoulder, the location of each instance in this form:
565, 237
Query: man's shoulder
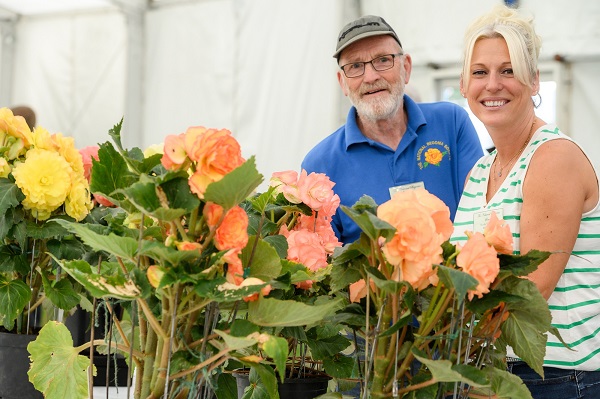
438, 106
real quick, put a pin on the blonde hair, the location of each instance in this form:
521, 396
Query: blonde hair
518, 32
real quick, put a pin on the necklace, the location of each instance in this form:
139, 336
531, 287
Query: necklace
497, 173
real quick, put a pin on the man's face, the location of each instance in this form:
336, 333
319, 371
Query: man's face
376, 95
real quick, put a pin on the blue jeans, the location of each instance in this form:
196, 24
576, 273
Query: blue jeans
558, 383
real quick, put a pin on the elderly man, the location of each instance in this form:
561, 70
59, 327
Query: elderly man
389, 141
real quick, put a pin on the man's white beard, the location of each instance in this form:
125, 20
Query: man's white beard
380, 108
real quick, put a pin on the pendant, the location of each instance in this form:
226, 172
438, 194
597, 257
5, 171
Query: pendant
500, 173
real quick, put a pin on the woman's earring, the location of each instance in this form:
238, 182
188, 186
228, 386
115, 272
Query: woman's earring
537, 103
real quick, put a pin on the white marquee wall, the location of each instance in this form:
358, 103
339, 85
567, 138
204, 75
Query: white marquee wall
261, 68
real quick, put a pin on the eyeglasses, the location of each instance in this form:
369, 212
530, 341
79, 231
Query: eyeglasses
381, 63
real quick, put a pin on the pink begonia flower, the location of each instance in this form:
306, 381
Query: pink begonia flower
305, 247
255, 281
87, 154
315, 189
174, 155
286, 182
420, 230
497, 233
322, 227
478, 259
215, 152
232, 233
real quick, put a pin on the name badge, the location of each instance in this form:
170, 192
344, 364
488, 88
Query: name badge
411, 186
481, 219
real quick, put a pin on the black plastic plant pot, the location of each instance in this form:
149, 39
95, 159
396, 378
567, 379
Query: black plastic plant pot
292, 388
14, 364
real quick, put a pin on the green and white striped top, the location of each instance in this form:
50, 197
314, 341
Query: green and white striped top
575, 302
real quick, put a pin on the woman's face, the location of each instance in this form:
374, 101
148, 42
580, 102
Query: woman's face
494, 95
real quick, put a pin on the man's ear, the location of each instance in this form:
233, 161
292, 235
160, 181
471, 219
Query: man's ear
342, 83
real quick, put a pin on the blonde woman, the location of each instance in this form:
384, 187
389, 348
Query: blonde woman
545, 188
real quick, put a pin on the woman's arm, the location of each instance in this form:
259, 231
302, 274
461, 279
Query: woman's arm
559, 187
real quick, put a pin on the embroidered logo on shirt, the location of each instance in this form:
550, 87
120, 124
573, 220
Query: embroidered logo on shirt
432, 153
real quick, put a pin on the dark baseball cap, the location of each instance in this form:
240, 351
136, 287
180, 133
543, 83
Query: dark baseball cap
369, 25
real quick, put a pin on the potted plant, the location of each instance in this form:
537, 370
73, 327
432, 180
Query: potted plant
41, 180
204, 268
438, 317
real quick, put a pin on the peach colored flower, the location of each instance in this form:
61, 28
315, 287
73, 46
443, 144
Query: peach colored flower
235, 269
305, 247
87, 154
480, 260
286, 182
255, 281
304, 285
232, 230
416, 245
358, 290
216, 153
188, 246
438, 209
315, 189
497, 233
174, 154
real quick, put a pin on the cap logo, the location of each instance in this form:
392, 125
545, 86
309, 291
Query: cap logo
343, 35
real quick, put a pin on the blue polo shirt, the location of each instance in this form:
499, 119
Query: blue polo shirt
440, 133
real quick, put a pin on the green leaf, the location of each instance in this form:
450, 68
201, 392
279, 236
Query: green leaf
339, 366
504, 384
277, 349
57, 369
265, 261
235, 186
61, 293
102, 284
10, 195
387, 286
370, 224
522, 265
123, 247
13, 260
270, 312
111, 173
14, 296
328, 346
179, 195
459, 280
235, 343
527, 323
263, 383
445, 371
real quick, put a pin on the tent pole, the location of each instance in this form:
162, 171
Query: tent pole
7, 60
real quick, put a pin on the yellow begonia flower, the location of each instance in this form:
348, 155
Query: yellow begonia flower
79, 202
45, 180
4, 168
